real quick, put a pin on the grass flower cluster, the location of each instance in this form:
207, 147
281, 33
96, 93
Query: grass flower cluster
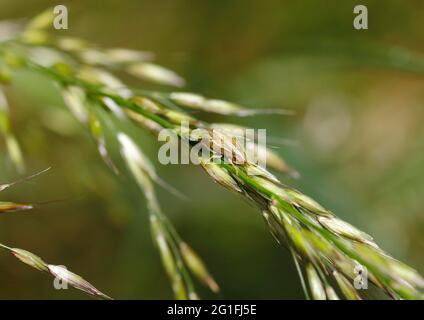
325, 249
58, 272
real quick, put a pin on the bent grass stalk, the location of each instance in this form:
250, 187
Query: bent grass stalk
325, 249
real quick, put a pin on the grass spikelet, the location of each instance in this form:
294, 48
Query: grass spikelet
220, 175
97, 133
343, 228
346, 287
199, 102
273, 160
12, 145
76, 281
125, 56
71, 44
331, 294
155, 73
30, 259
317, 289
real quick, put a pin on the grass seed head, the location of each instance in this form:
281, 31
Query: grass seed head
75, 281
321, 242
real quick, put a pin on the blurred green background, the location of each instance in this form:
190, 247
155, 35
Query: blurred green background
357, 139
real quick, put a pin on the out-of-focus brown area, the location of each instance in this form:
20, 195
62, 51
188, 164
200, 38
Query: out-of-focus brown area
357, 139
